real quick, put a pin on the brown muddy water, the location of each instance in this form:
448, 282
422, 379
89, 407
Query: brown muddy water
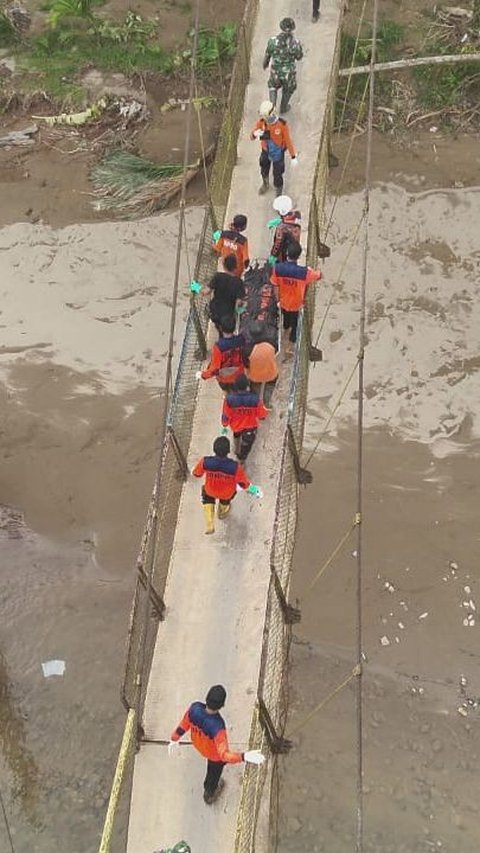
83, 340
421, 527
85, 317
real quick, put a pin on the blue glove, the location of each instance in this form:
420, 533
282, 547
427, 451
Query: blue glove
272, 223
239, 309
255, 491
224, 430
216, 236
195, 287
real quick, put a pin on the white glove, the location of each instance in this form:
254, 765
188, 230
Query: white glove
257, 133
198, 374
295, 161
173, 747
253, 756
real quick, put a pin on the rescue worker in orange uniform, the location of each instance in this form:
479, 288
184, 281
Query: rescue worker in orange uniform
223, 476
262, 369
289, 228
242, 411
292, 281
228, 359
231, 241
274, 135
209, 737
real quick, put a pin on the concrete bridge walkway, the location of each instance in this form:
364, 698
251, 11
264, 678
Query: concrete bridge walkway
217, 586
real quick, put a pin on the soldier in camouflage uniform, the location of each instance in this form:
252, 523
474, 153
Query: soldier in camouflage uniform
282, 54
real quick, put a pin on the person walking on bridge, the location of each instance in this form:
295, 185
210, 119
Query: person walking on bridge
228, 358
274, 136
223, 478
232, 241
315, 11
242, 411
289, 228
228, 293
282, 54
292, 281
263, 368
209, 737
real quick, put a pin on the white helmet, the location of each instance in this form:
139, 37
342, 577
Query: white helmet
266, 109
283, 204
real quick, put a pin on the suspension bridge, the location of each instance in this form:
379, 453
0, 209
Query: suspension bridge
220, 603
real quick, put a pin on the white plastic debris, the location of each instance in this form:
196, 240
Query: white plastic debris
453, 566
472, 605
423, 615
384, 640
53, 667
467, 590
463, 681
401, 626
402, 604
463, 711
465, 622
389, 586
397, 639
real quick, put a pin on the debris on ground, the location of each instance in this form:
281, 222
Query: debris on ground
53, 667
19, 137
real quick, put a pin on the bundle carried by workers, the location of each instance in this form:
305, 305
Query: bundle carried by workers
282, 53
260, 304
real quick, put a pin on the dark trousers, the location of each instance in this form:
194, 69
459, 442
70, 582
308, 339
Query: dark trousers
207, 499
316, 7
244, 442
214, 771
264, 390
278, 168
290, 321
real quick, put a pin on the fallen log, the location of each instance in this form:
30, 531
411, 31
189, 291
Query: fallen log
19, 137
399, 64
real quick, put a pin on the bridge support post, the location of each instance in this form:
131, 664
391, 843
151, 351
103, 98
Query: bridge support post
291, 614
278, 744
303, 475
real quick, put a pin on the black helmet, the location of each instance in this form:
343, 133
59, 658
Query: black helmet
287, 25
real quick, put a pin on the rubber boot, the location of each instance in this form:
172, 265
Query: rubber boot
285, 102
209, 511
223, 510
279, 190
272, 95
265, 185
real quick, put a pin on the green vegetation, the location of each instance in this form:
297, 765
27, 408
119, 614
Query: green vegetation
8, 33
77, 38
132, 185
407, 95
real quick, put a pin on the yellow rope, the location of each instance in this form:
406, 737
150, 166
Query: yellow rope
127, 742
334, 553
339, 277
333, 412
354, 673
347, 92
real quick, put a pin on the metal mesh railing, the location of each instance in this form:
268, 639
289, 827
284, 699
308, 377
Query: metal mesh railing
268, 725
159, 531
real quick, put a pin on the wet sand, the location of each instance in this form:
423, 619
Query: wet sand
85, 316
422, 469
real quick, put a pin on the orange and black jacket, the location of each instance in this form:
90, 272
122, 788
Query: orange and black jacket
242, 410
208, 733
228, 360
222, 476
292, 281
275, 138
232, 242
289, 228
